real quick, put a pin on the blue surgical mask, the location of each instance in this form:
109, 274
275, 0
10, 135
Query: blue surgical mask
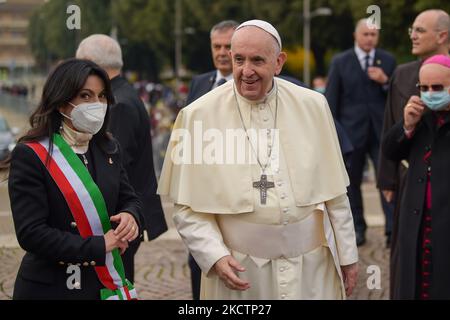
320, 89
436, 101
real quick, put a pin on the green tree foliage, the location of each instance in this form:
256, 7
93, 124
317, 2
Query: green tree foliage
146, 27
49, 36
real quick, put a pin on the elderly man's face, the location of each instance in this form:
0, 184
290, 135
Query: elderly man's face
424, 36
435, 78
220, 48
434, 75
365, 38
255, 62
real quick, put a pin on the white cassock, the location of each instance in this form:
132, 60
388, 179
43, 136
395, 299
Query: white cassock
292, 247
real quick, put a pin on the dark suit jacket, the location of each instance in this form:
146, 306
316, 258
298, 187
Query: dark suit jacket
200, 85
44, 228
356, 101
293, 80
130, 125
401, 88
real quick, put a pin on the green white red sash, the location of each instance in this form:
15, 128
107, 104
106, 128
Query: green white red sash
88, 208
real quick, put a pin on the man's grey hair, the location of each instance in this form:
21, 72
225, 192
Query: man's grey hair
101, 49
224, 26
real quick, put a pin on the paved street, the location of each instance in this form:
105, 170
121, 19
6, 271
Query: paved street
162, 272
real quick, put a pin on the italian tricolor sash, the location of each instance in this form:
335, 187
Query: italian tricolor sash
88, 208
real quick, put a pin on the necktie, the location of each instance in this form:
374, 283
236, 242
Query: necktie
366, 65
221, 82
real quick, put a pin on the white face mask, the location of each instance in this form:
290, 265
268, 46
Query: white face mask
88, 117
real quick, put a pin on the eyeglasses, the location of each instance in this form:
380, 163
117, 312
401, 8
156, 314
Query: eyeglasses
419, 30
434, 87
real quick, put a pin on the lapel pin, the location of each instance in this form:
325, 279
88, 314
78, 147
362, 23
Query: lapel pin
378, 62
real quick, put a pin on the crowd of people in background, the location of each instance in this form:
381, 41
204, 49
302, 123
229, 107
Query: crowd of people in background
14, 89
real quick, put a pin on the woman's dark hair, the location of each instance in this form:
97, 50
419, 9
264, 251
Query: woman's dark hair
62, 86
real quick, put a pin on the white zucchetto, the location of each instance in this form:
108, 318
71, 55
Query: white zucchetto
267, 27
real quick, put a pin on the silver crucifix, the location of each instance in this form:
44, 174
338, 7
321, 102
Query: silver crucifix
263, 185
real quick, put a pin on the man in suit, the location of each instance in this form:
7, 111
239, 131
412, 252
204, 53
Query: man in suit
356, 92
130, 125
344, 140
201, 84
429, 35
220, 36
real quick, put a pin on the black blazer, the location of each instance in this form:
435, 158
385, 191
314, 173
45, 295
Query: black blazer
200, 85
356, 101
130, 125
46, 229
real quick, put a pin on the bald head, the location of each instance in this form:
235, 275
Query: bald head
439, 19
103, 50
430, 33
434, 74
364, 24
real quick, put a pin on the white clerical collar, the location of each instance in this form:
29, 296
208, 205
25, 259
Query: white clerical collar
361, 54
267, 99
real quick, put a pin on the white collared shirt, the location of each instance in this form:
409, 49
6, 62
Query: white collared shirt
220, 76
361, 54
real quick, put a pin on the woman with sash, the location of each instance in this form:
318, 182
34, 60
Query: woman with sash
74, 211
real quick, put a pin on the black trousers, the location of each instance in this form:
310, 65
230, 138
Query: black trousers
196, 277
355, 171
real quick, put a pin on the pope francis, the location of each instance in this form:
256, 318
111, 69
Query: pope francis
277, 225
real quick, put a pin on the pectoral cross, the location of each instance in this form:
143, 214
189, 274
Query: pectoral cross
263, 185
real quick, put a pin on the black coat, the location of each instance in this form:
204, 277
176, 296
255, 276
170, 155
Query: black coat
401, 87
397, 147
47, 231
357, 102
391, 174
130, 125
